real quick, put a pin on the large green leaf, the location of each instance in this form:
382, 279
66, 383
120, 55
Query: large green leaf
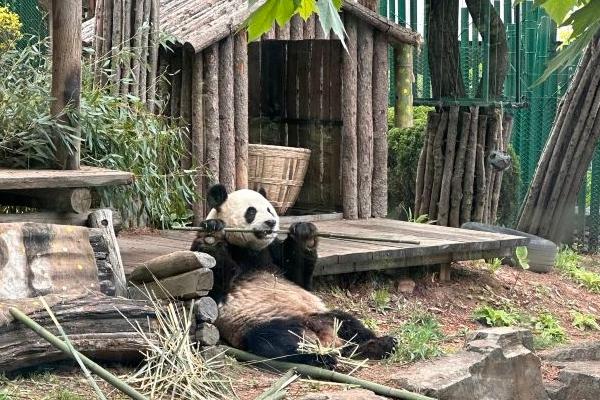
307, 8
263, 18
558, 9
330, 18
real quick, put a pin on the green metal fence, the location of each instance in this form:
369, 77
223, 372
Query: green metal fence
32, 17
532, 40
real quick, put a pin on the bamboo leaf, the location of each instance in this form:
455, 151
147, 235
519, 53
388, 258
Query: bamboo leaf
329, 18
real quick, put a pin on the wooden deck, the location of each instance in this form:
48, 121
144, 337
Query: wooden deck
438, 245
14, 179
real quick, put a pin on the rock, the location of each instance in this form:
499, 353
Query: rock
206, 310
207, 334
354, 394
496, 365
406, 286
579, 352
579, 380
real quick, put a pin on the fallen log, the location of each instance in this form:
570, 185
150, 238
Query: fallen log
172, 264
186, 286
97, 325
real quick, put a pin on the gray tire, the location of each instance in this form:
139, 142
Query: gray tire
540, 252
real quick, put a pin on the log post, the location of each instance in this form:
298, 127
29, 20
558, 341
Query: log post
78, 200
380, 145
176, 71
309, 28
126, 29
145, 51
153, 58
103, 219
117, 41
349, 139
438, 164
459, 169
211, 112
296, 28
240, 66
444, 204
426, 166
186, 103
226, 115
66, 74
481, 176
197, 134
403, 108
470, 157
364, 118
138, 22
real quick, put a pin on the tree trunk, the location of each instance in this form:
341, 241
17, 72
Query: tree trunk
567, 155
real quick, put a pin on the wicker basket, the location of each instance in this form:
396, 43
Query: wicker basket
279, 171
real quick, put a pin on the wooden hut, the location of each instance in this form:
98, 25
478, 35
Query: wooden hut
295, 87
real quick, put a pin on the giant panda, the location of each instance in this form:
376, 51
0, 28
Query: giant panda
262, 284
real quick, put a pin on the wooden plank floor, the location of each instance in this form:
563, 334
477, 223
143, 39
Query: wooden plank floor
438, 245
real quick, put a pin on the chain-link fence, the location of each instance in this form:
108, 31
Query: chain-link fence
535, 105
32, 17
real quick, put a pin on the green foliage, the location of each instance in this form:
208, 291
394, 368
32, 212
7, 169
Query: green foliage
508, 203
494, 265
117, 132
281, 11
548, 331
10, 29
495, 317
404, 148
568, 262
584, 18
64, 394
522, 259
371, 323
583, 321
381, 299
26, 128
418, 339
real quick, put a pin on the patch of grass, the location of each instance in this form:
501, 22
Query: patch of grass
584, 322
64, 394
494, 265
381, 299
371, 323
568, 261
548, 331
418, 339
491, 316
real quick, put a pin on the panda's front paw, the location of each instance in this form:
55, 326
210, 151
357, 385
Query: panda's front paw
213, 231
306, 234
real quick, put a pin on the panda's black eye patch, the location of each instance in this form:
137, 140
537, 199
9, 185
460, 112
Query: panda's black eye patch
270, 212
250, 214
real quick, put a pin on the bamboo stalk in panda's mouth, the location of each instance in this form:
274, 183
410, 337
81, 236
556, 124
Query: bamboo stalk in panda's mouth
319, 234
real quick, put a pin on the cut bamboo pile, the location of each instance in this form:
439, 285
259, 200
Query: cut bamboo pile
127, 26
568, 153
456, 182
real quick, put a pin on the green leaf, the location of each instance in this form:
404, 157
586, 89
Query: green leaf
558, 9
521, 253
330, 18
307, 8
261, 20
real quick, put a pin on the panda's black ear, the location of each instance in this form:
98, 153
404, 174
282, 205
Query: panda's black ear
263, 192
217, 195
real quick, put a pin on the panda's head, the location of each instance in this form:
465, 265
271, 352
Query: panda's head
245, 209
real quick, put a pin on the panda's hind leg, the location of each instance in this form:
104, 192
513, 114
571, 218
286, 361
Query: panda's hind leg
368, 344
279, 339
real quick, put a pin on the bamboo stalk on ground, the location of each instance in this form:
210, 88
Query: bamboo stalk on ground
444, 204
319, 373
279, 385
459, 169
470, 157
438, 164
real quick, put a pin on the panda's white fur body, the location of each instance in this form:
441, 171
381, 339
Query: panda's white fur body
262, 283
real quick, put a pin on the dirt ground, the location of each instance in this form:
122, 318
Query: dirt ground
452, 303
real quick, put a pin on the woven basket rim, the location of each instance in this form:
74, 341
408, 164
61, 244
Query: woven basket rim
273, 147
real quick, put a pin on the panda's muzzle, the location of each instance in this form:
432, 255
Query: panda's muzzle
268, 231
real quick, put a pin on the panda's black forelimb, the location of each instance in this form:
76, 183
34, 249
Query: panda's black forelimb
278, 339
298, 254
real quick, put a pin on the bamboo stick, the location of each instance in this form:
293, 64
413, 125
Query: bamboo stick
279, 385
56, 342
327, 235
320, 373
